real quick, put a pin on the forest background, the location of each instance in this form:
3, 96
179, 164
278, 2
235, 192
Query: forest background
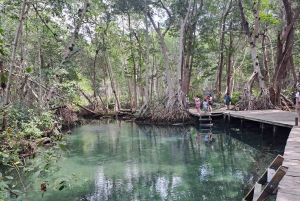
58, 57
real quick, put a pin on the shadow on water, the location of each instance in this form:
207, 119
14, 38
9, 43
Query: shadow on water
124, 161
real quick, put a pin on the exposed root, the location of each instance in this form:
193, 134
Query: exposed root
259, 104
168, 111
68, 115
50, 132
29, 148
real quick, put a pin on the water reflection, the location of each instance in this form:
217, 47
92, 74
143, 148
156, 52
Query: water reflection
124, 161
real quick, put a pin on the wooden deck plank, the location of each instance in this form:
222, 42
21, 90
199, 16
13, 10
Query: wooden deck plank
289, 186
285, 196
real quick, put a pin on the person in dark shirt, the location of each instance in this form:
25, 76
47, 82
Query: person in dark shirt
227, 101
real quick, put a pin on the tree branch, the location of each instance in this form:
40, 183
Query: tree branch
43, 21
288, 29
170, 19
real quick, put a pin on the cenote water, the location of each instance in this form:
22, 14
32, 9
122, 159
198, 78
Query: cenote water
116, 160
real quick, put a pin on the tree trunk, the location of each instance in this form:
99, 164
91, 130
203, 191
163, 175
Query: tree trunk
112, 81
180, 56
140, 67
229, 60
71, 45
188, 62
284, 50
40, 76
293, 70
265, 57
147, 55
152, 77
127, 75
264, 102
221, 56
165, 53
95, 72
189, 42
12, 63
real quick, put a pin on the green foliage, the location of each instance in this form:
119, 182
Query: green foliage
111, 104
17, 114
30, 130
70, 90
2, 50
16, 174
44, 121
37, 124
235, 97
28, 70
268, 17
29, 118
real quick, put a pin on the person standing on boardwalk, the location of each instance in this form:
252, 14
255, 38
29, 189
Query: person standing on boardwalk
187, 101
298, 105
227, 100
197, 103
210, 102
205, 106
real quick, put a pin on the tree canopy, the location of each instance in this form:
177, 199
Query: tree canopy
123, 54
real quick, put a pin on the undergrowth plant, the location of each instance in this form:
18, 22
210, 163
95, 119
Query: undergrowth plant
17, 174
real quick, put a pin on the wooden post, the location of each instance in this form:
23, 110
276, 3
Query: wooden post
262, 126
241, 124
274, 130
296, 121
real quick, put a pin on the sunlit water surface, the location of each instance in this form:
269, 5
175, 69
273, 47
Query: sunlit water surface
124, 161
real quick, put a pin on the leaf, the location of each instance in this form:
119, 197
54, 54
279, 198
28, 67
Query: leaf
56, 132
62, 187
62, 146
40, 144
3, 184
8, 177
28, 70
34, 176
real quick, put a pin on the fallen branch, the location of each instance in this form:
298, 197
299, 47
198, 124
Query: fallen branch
286, 105
11, 191
43, 140
58, 107
59, 96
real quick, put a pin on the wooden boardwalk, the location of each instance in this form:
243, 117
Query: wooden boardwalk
289, 186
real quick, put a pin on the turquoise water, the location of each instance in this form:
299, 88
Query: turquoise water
123, 161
